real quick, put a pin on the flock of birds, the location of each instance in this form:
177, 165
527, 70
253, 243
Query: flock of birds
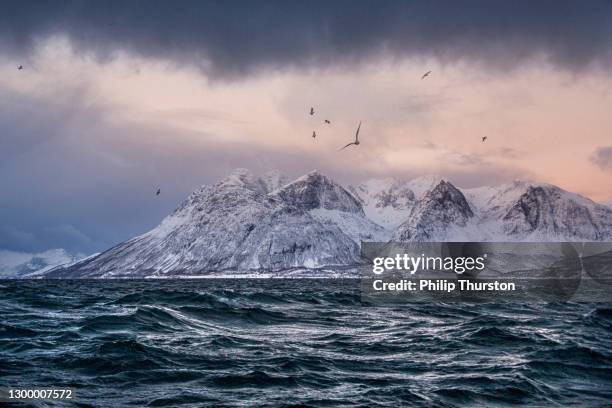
356, 141
326, 121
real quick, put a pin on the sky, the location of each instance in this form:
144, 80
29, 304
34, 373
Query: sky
119, 98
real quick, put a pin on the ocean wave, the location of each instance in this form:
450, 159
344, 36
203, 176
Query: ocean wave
302, 343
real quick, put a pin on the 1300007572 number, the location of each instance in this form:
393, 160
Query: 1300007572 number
36, 394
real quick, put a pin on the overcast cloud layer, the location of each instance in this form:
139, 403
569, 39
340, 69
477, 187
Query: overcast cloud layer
235, 37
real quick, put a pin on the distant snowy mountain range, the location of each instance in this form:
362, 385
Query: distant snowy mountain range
21, 264
255, 224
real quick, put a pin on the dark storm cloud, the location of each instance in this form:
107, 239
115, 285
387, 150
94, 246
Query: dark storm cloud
602, 158
238, 37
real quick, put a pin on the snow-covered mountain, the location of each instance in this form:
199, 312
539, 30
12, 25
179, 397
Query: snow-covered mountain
528, 211
388, 201
248, 223
244, 223
442, 209
22, 264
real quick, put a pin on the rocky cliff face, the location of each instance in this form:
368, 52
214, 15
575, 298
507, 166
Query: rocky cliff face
527, 211
548, 211
443, 208
315, 191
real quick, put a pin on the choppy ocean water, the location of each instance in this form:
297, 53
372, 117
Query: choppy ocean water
295, 343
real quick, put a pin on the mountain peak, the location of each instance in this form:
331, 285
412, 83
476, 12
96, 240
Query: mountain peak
423, 184
239, 176
240, 172
388, 201
428, 178
314, 190
547, 210
442, 208
274, 179
446, 192
242, 178
313, 175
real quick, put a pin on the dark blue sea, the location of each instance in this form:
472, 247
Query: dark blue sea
292, 343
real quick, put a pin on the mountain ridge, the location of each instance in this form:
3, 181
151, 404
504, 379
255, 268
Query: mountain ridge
15, 264
248, 223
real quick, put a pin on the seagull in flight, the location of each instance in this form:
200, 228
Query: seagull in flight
327, 121
356, 142
311, 111
158, 191
425, 75
314, 134
484, 138
19, 68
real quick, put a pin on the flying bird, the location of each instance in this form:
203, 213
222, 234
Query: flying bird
356, 142
484, 138
158, 191
311, 111
327, 121
425, 75
314, 134
19, 68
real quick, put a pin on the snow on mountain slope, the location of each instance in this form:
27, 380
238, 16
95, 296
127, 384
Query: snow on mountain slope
314, 190
548, 212
20, 264
250, 224
357, 227
388, 201
442, 209
494, 201
238, 224
531, 211
385, 201
518, 211
274, 180
331, 204
423, 184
